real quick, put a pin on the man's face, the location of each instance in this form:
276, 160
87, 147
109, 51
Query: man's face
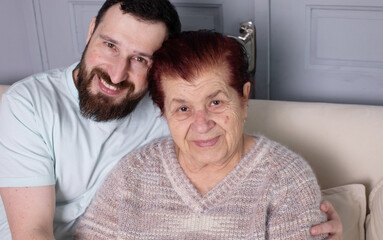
111, 78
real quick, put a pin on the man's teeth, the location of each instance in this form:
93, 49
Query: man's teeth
108, 85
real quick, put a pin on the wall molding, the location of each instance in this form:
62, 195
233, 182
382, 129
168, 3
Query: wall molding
344, 37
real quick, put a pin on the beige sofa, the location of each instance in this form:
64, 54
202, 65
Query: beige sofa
343, 144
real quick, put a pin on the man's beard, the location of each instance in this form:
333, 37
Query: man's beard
101, 107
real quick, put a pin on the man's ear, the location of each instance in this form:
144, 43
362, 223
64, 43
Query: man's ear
91, 29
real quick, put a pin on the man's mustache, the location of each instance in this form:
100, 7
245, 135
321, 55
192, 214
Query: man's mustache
105, 76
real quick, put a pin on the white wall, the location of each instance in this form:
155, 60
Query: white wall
20, 53
296, 58
327, 50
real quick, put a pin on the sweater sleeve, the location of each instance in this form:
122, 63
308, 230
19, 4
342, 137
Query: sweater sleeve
295, 202
101, 219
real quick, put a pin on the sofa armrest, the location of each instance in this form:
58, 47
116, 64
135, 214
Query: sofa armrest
3, 88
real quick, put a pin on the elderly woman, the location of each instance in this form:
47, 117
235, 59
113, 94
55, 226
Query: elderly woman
209, 180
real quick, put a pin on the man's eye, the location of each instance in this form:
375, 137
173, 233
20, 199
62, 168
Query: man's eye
110, 45
140, 59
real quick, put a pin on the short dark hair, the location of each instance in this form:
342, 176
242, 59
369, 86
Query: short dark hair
191, 53
147, 10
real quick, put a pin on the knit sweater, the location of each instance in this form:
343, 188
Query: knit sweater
272, 193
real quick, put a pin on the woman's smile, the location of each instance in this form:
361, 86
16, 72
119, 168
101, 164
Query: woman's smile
206, 143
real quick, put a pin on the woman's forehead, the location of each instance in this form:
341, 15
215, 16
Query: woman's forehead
200, 76
205, 86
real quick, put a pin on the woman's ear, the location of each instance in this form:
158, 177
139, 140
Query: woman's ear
246, 91
246, 94
91, 29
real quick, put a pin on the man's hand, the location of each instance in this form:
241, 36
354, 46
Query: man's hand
333, 226
30, 211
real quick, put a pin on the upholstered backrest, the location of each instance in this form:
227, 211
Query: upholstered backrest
344, 146
343, 143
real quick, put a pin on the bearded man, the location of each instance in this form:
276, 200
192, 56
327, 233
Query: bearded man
63, 131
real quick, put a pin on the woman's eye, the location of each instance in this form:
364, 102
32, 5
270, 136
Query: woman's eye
217, 106
182, 113
183, 109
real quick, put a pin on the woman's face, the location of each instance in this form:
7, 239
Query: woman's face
205, 117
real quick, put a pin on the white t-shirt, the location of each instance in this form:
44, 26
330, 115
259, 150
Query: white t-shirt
44, 140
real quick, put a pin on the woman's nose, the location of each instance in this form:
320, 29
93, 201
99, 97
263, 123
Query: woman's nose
202, 122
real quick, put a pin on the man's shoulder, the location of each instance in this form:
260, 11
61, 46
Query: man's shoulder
147, 103
40, 85
146, 110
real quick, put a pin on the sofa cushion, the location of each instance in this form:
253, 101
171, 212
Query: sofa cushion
374, 223
350, 203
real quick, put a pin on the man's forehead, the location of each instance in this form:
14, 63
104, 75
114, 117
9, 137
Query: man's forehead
116, 10
113, 11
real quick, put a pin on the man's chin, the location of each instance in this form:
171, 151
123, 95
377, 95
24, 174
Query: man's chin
100, 115
101, 109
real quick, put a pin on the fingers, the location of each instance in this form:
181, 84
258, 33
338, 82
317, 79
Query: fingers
333, 226
324, 228
327, 227
324, 206
329, 209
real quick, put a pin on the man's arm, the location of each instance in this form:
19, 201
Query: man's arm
333, 226
30, 211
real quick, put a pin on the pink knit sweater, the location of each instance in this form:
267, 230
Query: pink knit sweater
271, 194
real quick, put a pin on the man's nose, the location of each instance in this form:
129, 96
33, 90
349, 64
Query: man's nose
202, 122
120, 71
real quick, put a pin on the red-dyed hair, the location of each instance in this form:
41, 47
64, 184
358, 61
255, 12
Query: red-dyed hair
191, 53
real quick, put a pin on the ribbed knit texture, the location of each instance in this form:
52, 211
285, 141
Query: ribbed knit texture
271, 194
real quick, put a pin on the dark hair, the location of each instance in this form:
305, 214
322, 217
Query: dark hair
147, 10
191, 53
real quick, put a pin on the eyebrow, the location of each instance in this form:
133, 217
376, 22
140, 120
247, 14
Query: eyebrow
109, 39
178, 100
214, 94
